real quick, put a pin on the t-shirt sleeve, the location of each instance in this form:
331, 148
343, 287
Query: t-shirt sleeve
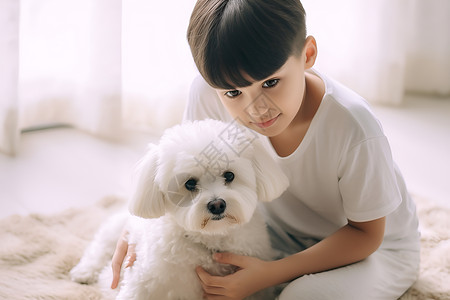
203, 103
367, 181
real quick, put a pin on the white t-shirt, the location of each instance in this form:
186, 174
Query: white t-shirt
343, 169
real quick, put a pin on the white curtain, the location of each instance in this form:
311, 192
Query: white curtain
70, 64
105, 65
100, 66
9, 72
158, 68
383, 48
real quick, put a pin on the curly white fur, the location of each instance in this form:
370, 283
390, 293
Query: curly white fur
196, 194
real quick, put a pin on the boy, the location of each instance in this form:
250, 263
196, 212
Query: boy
346, 227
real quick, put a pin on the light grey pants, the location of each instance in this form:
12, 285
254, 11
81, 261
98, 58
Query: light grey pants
384, 275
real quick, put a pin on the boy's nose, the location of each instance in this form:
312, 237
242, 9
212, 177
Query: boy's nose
261, 107
256, 110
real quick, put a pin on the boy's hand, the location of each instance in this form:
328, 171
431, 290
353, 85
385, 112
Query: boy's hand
250, 277
122, 249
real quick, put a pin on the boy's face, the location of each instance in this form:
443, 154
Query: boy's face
270, 106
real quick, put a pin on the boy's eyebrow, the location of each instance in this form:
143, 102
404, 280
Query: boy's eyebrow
254, 82
277, 73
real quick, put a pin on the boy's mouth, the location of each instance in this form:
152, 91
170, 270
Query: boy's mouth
267, 123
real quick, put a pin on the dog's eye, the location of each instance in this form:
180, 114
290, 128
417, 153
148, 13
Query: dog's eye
191, 184
229, 176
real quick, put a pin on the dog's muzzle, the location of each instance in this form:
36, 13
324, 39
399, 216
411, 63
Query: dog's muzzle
217, 206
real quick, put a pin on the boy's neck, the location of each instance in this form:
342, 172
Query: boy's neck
314, 92
288, 141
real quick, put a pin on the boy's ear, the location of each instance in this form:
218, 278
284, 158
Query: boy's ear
310, 50
271, 181
147, 200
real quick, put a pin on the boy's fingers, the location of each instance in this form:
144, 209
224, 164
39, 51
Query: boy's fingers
117, 260
202, 274
131, 255
207, 279
115, 281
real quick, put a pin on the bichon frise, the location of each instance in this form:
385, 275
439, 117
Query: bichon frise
196, 194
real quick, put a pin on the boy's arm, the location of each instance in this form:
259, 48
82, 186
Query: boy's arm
352, 243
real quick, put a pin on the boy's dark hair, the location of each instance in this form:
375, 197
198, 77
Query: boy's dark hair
235, 41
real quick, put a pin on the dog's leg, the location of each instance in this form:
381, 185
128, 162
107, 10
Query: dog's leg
100, 250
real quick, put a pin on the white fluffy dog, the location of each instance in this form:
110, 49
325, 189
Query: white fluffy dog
196, 194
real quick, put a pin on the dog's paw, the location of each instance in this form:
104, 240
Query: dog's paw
81, 274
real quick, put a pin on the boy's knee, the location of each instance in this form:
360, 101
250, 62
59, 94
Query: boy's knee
312, 287
303, 288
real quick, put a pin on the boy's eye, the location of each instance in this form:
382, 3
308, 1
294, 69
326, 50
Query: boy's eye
270, 83
233, 94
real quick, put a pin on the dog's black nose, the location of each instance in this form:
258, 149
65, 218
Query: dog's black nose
217, 206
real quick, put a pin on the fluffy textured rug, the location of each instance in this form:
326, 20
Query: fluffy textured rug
37, 252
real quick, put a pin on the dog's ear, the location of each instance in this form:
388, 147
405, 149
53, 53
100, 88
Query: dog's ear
147, 200
271, 181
